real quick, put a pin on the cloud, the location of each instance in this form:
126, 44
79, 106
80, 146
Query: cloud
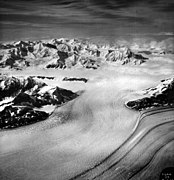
165, 34
114, 16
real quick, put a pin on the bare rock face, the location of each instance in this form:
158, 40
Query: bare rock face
27, 94
145, 52
66, 53
24, 99
89, 62
8, 86
12, 116
11, 86
43, 77
159, 96
124, 55
75, 79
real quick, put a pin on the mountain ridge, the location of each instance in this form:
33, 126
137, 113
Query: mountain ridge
64, 53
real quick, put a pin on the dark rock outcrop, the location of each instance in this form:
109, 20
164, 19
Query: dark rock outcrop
26, 95
44, 77
50, 46
75, 79
145, 52
10, 86
161, 95
24, 99
12, 116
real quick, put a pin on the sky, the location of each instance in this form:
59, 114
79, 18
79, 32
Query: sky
103, 19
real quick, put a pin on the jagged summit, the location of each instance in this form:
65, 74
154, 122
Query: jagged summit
19, 98
66, 54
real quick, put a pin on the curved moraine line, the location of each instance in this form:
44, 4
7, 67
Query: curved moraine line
144, 155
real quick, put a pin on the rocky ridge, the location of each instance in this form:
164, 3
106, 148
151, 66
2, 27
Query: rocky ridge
159, 96
75, 79
64, 53
21, 98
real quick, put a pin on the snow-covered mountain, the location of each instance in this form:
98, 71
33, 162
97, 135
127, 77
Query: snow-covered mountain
22, 100
64, 53
161, 95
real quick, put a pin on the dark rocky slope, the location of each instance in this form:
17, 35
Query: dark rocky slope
16, 116
75, 79
161, 95
20, 97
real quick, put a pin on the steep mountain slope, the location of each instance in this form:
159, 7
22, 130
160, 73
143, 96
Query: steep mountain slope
64, 53
21, 98
161, 95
